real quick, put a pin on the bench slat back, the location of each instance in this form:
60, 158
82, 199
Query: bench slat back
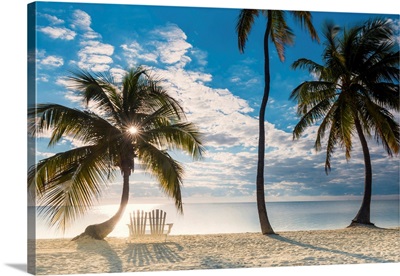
138, 223
157, 222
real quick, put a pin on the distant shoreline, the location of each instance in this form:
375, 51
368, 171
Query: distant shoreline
353, 245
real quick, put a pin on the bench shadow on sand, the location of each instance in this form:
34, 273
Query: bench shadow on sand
141, 254
329, 250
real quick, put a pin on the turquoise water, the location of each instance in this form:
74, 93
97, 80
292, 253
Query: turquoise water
211, 218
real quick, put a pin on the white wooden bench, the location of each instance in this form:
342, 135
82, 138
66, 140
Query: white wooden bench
158, 228
137, 226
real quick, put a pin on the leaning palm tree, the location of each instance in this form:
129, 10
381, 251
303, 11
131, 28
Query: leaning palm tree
281, 35
354, 95
122, 122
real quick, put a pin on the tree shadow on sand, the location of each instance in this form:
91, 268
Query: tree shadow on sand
141, 254
329, 250
103, 248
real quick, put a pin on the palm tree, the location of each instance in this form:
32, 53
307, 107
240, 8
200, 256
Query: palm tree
133, 120
357, 88
281, 36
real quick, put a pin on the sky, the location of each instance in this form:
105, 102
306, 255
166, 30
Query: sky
194, 52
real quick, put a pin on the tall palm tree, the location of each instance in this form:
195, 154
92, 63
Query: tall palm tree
357, 88
281, 35
133, 120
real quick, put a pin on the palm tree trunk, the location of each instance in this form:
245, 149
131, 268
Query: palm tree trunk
266, 228
101, 230
363, 215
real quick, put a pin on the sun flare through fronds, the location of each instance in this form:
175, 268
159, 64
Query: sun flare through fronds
133, 130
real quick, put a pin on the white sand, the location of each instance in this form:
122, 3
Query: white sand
188, 252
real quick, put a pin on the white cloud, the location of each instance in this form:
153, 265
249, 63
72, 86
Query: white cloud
235, 79
170, 33
73, 97
63, 81
171, 45
200, 55
173, 52
58, 33
244, 77
81, 20
53, 61
134, 53
48, 61
220, 114
133, 49
91, 35
44, 154
99, 59
98, 67
43, 78
95, 56
166, 46
54, 20
96, 48
40, 53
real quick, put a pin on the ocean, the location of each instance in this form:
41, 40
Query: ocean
214, 218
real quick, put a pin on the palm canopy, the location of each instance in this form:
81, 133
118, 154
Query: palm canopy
358, 84
134, 119
280, 32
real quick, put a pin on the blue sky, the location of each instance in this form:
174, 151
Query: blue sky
194, 51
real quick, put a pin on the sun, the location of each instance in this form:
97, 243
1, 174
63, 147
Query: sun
133, 130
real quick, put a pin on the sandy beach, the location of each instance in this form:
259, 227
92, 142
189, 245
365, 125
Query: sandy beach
356, 245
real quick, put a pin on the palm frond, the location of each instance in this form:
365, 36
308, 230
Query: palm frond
161, 98
324, 126
142, 93
167, 171
386, 127
310, 93
97, 88
68, 183
330, 148
315, 114
281, 34
181, 136
331, 54
341, 124
384, 94
243, 26
307, 64
345, 125
305, 20
384, 68
132, 85
64, 121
